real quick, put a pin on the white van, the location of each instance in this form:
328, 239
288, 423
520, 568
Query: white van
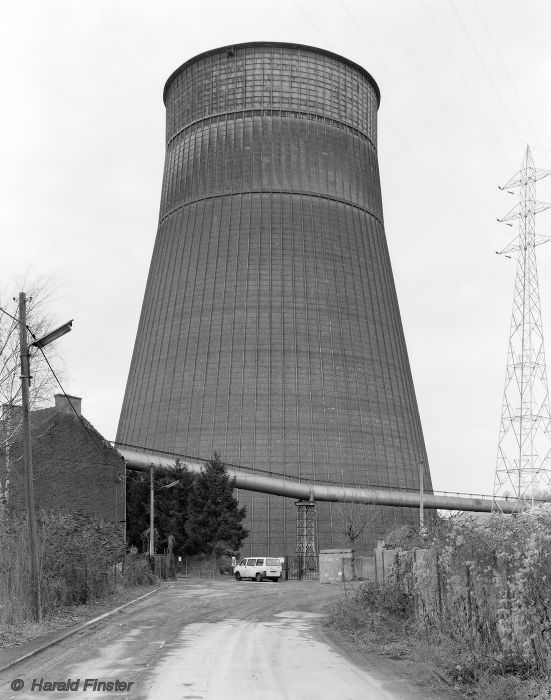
257, 568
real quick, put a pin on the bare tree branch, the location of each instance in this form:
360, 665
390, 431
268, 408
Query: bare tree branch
43, 383
351, 520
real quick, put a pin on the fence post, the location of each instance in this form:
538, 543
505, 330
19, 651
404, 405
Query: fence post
469, 603
379, 563
414, 583
439, 591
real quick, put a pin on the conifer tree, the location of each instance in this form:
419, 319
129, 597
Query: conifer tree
170, 507
214, 517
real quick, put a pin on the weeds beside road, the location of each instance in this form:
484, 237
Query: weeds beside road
473, 607
381, 620
66, 617
84, 572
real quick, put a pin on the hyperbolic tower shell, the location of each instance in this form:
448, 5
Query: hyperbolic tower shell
270, 330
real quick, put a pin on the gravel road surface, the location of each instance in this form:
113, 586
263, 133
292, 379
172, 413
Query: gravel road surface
219, 639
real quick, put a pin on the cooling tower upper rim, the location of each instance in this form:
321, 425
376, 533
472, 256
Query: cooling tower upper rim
248, 44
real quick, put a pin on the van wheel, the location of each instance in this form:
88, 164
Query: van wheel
259, 577
237, 576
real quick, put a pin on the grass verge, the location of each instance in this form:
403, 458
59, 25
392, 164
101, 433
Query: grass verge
381, 620
67, 616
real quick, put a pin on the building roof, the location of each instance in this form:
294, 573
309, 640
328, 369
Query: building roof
47, 421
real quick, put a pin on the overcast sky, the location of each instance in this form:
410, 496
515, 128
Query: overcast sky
465, 87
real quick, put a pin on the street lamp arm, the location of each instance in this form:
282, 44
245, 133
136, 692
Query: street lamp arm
53, 335
168, 486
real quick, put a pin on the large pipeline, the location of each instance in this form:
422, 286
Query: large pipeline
318, 492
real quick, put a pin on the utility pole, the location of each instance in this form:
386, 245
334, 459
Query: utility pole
152, 513
151, 517
421, 497
28, 456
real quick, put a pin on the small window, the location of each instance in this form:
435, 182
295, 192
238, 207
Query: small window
273, 562
243, 562
251, 562
260, 562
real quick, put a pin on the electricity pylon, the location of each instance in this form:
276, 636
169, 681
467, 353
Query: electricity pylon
523, 467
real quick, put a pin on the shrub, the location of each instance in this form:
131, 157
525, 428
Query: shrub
487, 584
136, 571
14, 569
381, 614
389, 599
78, 554
480, 609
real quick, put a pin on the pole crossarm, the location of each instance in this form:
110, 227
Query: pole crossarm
514, 245
523, 176
519, 211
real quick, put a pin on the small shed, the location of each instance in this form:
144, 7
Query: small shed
335, 565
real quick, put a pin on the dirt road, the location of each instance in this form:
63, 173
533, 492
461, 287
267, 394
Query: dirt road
218, 639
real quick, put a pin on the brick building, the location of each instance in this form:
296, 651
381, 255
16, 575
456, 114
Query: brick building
75, 468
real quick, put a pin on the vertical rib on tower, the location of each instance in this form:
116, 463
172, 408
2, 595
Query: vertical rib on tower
270, 329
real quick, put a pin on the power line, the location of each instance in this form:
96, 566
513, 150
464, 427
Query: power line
435, 93
312, 24
467, 84
504, 67
100, 448
429, 130
12, 317
488, 76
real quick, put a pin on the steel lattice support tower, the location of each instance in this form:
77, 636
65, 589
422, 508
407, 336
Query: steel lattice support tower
523, 460
306, 511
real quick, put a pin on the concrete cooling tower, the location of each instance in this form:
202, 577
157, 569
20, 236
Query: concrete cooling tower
270, 330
